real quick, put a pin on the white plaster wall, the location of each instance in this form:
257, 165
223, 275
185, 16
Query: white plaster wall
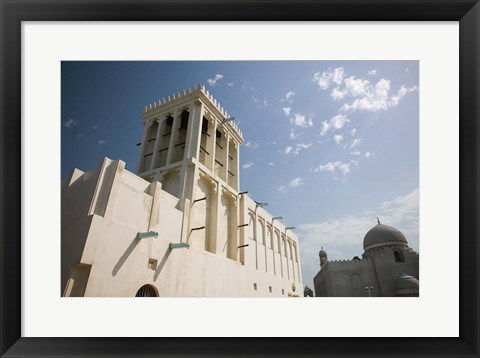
250, 250
119, 261
200, 216
169, 225
222, 228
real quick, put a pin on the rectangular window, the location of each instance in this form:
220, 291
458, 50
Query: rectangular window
255, 286
152, 264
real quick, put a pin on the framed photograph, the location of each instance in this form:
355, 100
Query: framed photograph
420, 59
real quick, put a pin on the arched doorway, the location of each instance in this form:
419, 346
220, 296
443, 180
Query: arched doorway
146, 291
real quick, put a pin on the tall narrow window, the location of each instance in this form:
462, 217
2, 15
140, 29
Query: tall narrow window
184, 121
398, 257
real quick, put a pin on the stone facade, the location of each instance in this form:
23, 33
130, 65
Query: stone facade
388, 268
181, 226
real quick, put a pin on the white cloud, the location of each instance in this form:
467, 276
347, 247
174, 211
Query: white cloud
213, 81
334, 166
400, 94
355, 143
325, 127
70, 123
296, 182
338, 138
230, 84
247, 165
355, 152
336, 122
293, 135
353, 132
101, 142
297, 149
337, 93
339, 121
289, 96
286, 110
301, 121
271, 164
345, 167
338, 75
341, 234
323, 80
356, 86
369, 155
95, 127
373, 98
328, 167
249, 144
368, 96
304, 146
282, 189
261, 103
326, 78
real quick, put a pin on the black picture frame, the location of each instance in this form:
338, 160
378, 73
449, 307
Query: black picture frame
13, 12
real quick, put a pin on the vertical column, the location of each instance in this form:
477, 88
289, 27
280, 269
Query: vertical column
225, 155
213, 145
242, 219
280, 252
234, 228
215, 202
156, 147
194, 130
237, 164
265, 248
255, 238
293, 259
173, 137
299, 270
141, 159
272, 244
286, 255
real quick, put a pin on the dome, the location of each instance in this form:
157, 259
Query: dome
383, 235
407, 285
322, 253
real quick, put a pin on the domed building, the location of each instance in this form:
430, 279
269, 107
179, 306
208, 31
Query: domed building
388, 268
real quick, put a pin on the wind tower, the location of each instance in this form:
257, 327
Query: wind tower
191, 146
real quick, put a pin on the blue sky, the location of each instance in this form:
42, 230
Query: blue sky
329, 145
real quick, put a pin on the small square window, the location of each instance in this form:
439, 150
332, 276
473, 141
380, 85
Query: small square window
255, 286
152, 264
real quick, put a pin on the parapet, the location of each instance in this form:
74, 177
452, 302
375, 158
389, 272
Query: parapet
195, 91
346, 264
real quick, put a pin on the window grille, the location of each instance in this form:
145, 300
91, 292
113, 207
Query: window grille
146, 291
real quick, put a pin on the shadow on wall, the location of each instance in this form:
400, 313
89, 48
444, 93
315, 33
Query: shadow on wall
125, 256
161, 264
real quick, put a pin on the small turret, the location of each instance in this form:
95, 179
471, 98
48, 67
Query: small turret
323, 257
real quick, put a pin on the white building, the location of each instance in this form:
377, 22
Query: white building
181, 226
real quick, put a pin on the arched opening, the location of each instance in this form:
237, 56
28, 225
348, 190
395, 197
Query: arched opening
398, 257
146, 291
